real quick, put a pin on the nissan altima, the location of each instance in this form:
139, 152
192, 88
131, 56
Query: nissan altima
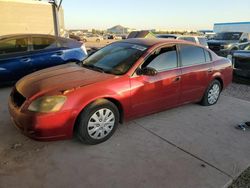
122, 81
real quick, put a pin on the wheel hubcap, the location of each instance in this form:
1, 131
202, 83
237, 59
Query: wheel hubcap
213, 94
101, 123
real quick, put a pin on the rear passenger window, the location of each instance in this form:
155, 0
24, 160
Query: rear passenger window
191, 55
14, 46
162, 59
40, 43
207, 56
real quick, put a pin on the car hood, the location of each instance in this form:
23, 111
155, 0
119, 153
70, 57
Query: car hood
221, 42
242, 53
59, 78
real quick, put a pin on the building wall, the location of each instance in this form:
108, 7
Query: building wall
19, 16
232, 27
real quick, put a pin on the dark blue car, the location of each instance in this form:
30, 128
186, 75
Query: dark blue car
23, 54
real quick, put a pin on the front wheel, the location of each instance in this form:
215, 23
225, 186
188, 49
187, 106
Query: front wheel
98, 122
212, 94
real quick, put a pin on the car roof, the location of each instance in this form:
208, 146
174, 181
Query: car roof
24, 35
155, 41
194, 36
168, 35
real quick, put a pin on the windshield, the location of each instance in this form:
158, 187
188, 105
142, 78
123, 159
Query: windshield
228, 36
116, 58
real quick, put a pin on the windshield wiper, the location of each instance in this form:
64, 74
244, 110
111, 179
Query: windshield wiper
93, 67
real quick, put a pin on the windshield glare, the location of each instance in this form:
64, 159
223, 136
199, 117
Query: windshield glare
228, 36
116, 58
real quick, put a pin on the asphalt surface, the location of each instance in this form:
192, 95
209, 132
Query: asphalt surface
190, 146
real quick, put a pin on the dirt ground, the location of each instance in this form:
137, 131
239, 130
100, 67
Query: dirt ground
149, 152
242, 92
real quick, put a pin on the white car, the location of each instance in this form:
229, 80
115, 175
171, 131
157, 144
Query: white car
195, 39
92, 38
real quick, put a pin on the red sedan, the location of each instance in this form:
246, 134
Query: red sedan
122, 81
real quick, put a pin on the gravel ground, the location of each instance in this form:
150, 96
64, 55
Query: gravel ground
240, 91
243, 180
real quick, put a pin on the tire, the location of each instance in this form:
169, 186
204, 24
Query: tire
98, 40
212, 94
97, 122
85, 40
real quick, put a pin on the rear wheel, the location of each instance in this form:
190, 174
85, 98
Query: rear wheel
98, 40
98, 122
212, 94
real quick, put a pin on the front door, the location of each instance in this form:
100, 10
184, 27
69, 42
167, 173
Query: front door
46, 53
154, 93
15, 60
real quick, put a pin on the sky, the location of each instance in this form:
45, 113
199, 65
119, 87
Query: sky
154, 14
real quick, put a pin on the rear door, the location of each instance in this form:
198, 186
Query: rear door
154, 93
196, 68
46, 52
15, 60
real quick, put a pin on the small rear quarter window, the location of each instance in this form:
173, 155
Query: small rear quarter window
207, 56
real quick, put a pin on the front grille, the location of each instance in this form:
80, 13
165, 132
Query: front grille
242, 63
17, 98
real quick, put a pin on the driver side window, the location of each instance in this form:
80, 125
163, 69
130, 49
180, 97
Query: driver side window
162, 59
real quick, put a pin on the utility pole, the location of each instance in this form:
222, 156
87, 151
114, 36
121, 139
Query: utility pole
55, 9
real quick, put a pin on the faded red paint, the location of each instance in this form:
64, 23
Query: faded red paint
137, 95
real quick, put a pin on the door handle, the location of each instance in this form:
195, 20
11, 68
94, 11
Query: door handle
177, 79
210, 70
57, 54
25, 60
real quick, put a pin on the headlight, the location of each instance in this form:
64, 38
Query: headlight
227, 46
47, 104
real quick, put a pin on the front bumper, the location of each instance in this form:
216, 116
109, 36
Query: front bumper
43, 127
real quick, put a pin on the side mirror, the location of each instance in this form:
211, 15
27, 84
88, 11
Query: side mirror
148, 71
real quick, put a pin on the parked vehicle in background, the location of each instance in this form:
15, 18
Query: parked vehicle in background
122, 81
74, 37
115, 37
241, 62
167, 36
23, 54
243, 27
225, 43
91, 38
210, 36
109, 37
141, 34
195, 39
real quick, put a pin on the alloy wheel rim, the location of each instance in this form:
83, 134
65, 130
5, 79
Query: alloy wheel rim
101, 123
213, 94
